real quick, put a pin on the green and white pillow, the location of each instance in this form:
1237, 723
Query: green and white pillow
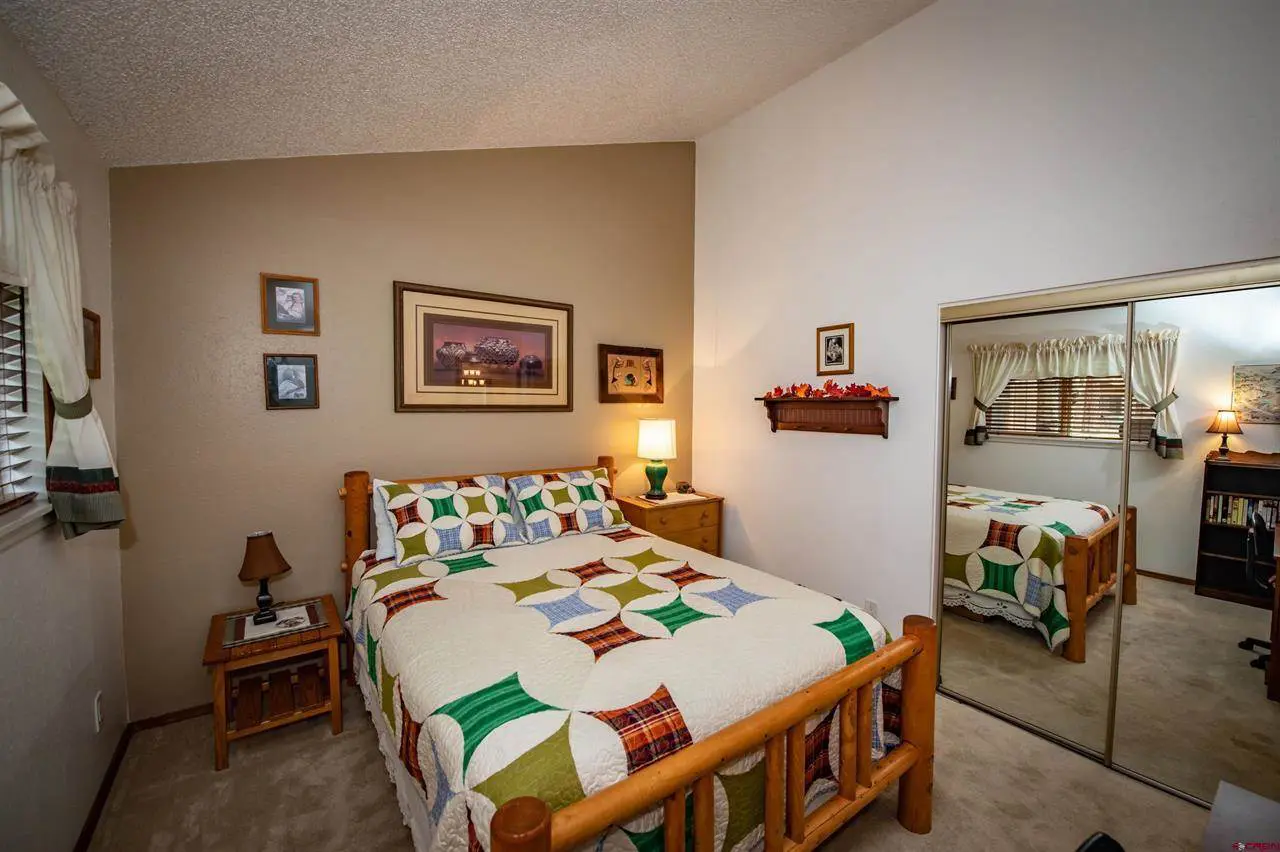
434, 519
556, 504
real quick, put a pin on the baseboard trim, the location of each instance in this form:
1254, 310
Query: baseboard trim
172, 716
1156, 575
104, 790
117, 758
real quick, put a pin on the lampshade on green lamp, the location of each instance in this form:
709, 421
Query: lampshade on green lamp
1227, 422
657, 443
262, 561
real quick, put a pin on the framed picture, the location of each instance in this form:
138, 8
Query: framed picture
630, 374
1255, 392
456, 350
292, 381
835, 350
92, 343
290, 304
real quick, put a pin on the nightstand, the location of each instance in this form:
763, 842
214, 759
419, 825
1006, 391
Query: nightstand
695, 522
264, 683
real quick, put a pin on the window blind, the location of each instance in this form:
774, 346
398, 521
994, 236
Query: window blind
1083, 407
21, 445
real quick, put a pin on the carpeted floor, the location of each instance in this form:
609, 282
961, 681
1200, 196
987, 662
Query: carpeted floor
1190, 709
997, 788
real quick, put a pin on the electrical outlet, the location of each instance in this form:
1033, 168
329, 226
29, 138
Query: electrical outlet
97, 712
871, 607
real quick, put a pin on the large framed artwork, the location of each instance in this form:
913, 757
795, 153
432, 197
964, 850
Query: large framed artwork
1255, 392
457, 350
630, 374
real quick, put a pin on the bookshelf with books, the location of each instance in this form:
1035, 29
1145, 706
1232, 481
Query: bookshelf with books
1235, 489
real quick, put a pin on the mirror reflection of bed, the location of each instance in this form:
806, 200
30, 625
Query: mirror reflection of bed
1039, 570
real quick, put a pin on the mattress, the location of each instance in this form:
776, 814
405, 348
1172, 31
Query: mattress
1004, 552
559, 668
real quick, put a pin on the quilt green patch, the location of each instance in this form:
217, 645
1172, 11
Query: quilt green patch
371, 655
443, 507
645, 558
997, 577
382, 579
628, 591
388, 696
675, 615
745, 794
1061, 527
548, 768
524, 588
469, 562
852, 634
482, 712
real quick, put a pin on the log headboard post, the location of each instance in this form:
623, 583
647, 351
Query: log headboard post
355, 510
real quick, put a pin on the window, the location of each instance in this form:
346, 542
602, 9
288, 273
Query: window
1089, 407
21, 405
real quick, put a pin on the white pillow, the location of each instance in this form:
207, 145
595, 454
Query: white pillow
386, 543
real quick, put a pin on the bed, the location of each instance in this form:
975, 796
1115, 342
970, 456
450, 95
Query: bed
1038, 562
516, 710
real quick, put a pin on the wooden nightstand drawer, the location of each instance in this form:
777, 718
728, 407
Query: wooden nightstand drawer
704, 539
679, 518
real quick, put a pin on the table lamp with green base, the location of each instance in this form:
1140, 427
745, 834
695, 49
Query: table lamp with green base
657, 442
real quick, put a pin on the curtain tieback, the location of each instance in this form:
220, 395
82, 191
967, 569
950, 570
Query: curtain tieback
74, 410
978, 404
1164, 403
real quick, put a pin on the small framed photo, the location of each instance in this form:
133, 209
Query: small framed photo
835, 350
92, 343
630, 374
290, 304
292, 381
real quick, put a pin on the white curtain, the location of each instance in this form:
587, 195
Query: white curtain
993, 368
38, 229
1155, 372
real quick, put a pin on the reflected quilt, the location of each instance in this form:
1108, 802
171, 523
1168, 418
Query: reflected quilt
559, 668
1004, 551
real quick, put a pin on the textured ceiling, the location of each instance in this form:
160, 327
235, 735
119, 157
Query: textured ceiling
164, 81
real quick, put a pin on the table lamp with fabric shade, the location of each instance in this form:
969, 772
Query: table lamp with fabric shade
262, 561
657, 442
1227, 422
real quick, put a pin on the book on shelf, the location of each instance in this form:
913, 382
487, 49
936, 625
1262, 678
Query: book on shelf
1236, 511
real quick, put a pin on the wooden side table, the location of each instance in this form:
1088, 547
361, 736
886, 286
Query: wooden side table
695, 523
274, 681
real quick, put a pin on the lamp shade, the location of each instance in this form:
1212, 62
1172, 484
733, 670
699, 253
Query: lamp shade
262, 559
1227, 422
657, 439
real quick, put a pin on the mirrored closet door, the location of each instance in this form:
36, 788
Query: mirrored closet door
1030, 527
1191, 710
1108, 549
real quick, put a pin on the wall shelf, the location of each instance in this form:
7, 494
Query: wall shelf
843, 415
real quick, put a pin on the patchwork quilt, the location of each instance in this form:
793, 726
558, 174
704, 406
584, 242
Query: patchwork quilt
1004, 551
559, 668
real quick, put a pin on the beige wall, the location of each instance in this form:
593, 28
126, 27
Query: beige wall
60, 605
607, 229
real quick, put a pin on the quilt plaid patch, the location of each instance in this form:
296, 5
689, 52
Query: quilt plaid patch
817, 757
684, 575
622, 535
1003, 535
650, 729
398, 602
590, 570
605, 637
410, 733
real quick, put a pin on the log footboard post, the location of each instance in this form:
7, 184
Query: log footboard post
355, 540
1130, 566
1075, 575
521, 825
919, 685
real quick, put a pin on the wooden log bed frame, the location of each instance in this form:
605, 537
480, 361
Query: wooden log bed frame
1089, 568
527, 824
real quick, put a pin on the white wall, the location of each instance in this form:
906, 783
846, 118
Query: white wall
60, 610
1218, 331
981, 147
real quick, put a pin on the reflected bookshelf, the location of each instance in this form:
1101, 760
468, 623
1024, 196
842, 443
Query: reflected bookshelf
1237, 489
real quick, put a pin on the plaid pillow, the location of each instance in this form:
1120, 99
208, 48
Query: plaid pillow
555, 504
435, 519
